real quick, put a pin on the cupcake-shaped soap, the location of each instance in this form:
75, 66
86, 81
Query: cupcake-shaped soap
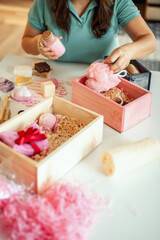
48, 121
22, 95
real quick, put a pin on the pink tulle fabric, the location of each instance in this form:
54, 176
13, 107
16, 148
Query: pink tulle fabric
101, 77
9, 192
65, 212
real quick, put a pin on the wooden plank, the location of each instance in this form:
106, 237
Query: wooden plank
73, 110
7, 153
137, 111
152, 13
153, 2
19, 175
15, 164
132, 91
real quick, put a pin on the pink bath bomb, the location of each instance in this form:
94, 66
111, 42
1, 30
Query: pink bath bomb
47, 121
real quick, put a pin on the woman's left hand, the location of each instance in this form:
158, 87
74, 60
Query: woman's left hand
119, 58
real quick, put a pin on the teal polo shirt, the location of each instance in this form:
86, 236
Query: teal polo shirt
82, 46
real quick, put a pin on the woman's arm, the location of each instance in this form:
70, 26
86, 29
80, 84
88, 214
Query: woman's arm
30, 40
32, 44
143, 44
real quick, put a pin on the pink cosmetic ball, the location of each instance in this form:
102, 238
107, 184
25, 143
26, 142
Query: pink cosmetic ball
48, 121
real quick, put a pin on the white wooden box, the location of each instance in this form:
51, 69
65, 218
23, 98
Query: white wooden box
39, 176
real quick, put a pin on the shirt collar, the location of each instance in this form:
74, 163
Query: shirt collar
92, 5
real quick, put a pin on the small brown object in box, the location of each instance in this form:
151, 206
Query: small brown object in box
41, 69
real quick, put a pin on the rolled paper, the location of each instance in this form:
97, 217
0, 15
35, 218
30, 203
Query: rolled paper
123, 159
2, 111
7, 114
6, 102
131, 69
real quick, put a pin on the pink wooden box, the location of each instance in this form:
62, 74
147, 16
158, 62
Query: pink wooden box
116, 116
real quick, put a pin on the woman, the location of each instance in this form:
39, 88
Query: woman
88, 30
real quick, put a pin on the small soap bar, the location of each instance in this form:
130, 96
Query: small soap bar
2, 111
21, 80
42, 67
54, 80
6, 85
23, 70
48, 89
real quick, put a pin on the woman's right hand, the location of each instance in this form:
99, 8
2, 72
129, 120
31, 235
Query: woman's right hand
45, 51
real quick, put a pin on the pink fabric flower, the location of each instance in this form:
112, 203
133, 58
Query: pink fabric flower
101, 77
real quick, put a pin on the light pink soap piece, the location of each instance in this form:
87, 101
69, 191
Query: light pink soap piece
48, 121
101, 77
54, 80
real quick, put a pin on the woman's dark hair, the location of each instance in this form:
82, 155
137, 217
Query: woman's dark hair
100, 21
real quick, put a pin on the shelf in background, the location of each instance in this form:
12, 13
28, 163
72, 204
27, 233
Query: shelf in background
152, 10
14, 11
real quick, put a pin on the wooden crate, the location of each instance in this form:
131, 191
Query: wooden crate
39, 176
116, 116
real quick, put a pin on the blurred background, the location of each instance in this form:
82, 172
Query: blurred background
150, 11
13, 17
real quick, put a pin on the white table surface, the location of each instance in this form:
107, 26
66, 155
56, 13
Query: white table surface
136, 195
